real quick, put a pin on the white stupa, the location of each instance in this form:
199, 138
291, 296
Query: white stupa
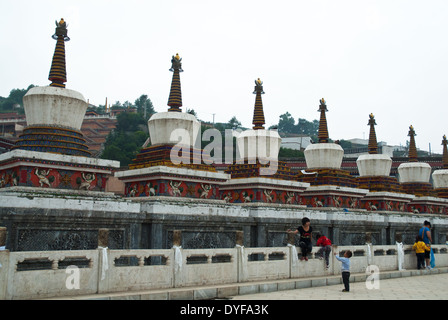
330, 185
257, 176
385, 193
323, 155
258, 143
52, 150
415, 179
413, 171
173, 165
373, 164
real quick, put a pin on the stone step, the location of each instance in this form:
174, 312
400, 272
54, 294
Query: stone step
234, 289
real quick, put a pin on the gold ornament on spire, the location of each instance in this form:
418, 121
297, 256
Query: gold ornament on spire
258, 120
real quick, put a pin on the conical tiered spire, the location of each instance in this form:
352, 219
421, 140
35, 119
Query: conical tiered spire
323, 130
445, 153
175, 99
58, 74
258, 120
373, 145
412, 147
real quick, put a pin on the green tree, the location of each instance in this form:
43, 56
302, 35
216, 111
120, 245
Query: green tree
15, 98
306, 127
192, 112
290, 153
124, 143
112, 152
286, 123
128, 121
144, 106
345, 144
233, 123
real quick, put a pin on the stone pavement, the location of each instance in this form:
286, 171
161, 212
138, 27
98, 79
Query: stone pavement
424, 287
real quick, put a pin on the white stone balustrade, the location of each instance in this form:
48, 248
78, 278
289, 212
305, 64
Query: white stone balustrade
29, 275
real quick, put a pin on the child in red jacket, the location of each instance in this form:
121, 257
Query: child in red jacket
324, 251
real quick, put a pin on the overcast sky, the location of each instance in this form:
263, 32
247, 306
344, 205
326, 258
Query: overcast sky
389, 58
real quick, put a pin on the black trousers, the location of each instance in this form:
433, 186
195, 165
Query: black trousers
420, 260
306, 246
346, 280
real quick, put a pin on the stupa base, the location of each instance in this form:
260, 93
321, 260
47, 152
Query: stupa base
333, 196
43, 170
386, 201
431, 205
172, 182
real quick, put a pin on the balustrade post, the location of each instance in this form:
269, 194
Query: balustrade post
291, 238
293, 254
369, 250
239, 238
240, 256
103, 261
177, 238
2, 238
103, 238
369, 237
4, 263
178, 259
400, 250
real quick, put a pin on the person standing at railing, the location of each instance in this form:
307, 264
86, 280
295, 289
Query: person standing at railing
425, 233
324, 251
345, 269
305, 231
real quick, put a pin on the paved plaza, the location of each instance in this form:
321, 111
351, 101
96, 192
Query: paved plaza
425, 287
